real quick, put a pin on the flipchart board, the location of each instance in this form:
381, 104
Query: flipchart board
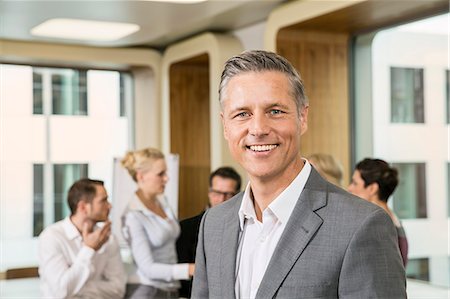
124, 187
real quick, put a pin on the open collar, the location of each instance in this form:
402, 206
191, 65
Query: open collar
70, 229
283, 205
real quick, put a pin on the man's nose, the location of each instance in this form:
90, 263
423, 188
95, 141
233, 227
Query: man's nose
259, 124
224, 195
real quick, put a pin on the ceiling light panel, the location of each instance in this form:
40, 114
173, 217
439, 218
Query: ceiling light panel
84, 30
178, 1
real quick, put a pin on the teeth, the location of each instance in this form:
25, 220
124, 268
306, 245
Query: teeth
262, 148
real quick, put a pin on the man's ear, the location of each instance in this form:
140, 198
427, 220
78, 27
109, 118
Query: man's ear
304, 119
82, 207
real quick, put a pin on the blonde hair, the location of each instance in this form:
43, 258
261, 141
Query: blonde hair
135, 160
328, 167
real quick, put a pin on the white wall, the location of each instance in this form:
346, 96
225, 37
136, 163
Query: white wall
252, 37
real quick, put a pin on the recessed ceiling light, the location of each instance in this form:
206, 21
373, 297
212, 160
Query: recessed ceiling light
84, 29
179, 1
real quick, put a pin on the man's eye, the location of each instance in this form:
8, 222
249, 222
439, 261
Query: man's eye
241, 114
275, 111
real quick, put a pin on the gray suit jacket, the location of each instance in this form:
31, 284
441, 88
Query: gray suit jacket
335, 245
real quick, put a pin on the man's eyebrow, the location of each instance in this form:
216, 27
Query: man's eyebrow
237, 108
279, 105
272, 105
240, 107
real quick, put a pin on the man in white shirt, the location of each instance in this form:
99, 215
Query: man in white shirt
77, 257
291, 234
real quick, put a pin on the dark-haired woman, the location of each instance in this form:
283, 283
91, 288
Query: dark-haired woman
374, 180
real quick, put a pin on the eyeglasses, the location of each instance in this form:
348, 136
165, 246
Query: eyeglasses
220, 193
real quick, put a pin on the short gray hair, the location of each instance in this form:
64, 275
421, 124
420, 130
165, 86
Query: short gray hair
260, 61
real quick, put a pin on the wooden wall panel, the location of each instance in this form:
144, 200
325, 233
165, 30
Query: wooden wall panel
322, 60
190, 132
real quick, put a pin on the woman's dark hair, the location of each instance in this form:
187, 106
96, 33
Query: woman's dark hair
379, 171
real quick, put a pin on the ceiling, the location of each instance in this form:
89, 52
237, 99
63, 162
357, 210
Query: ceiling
161, 23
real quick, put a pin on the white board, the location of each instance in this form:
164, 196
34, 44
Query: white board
123, 188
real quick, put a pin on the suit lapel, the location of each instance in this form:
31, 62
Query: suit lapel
299, 230
230, 237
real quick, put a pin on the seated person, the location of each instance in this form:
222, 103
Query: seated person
77, 258
224, 183
374, 180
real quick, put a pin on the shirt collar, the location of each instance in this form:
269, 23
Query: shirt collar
247, 210
136, 204
283, 205
70, 229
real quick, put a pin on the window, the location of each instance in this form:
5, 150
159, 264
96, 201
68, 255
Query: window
447, 85
407, 95
69, 92
122, 108
38, 199
410, 196
64, 175
37, 94
418, 269
126, 92
66, 87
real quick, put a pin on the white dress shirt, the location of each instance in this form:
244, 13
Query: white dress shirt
259, 239
70, 269
152, 241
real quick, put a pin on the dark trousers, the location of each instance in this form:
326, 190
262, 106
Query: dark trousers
140, 291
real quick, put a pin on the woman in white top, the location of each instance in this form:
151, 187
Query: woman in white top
150, 227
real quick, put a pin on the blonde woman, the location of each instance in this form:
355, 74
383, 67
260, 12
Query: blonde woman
150, 227
328, 167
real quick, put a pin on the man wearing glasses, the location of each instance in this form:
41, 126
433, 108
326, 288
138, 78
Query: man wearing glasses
224, 183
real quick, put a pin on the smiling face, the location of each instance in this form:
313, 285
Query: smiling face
262, 124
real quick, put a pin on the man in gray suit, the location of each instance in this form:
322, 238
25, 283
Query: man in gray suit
290, 234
